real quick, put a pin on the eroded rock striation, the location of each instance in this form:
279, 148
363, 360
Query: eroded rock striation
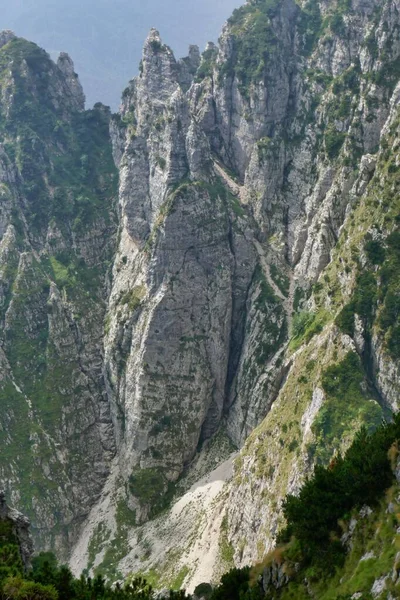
185, 266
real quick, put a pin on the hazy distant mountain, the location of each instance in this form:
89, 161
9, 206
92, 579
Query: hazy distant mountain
105, 37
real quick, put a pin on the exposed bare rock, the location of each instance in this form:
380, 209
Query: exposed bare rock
66, 66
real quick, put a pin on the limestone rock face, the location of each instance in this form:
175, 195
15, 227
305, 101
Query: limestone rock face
183, 270
66, 66
234, 191
296, 138
188, 67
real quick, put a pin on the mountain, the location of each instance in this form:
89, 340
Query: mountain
105, 38
58, 227
235, 300
342, 536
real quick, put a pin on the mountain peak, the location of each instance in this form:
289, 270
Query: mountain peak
66, 66
6, 35
153, 43
160, 73
154, 35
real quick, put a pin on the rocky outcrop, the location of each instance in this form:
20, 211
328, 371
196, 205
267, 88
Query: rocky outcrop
6, 36
178, 283
19, 529
188, 66
274, 577
66, 66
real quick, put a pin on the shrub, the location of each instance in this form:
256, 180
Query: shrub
147, 484
375, 252
20, 589
233, 585
345, 319
340, 379
361, 477
301, 321
333, 142
155, 45
305, 325
151, 488
207, 64
337, 25
203, 590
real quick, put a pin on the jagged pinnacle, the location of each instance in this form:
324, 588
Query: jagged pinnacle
66, 65
153, 37
154, 33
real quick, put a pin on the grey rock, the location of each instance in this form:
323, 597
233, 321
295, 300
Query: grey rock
6, 36
66, 66
379, 586
274, 576
20, 525
188, 66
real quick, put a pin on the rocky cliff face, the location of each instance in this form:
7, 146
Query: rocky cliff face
290, 103
249, 290
58, 189
290, 125
186, 268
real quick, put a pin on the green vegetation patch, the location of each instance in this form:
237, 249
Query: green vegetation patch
281, 280
305, 325
226, 550
255, 42
133, 298
271, 319
68, 173
49, 581
334, 141
7, 532
207, 64
346, 406
152, 489
97, 543
310, 548
117, 547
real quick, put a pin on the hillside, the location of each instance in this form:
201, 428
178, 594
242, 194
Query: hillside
342, 535
341, 542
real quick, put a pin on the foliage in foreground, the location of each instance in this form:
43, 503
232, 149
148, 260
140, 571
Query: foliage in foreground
48, 581
310, 547
359, 478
